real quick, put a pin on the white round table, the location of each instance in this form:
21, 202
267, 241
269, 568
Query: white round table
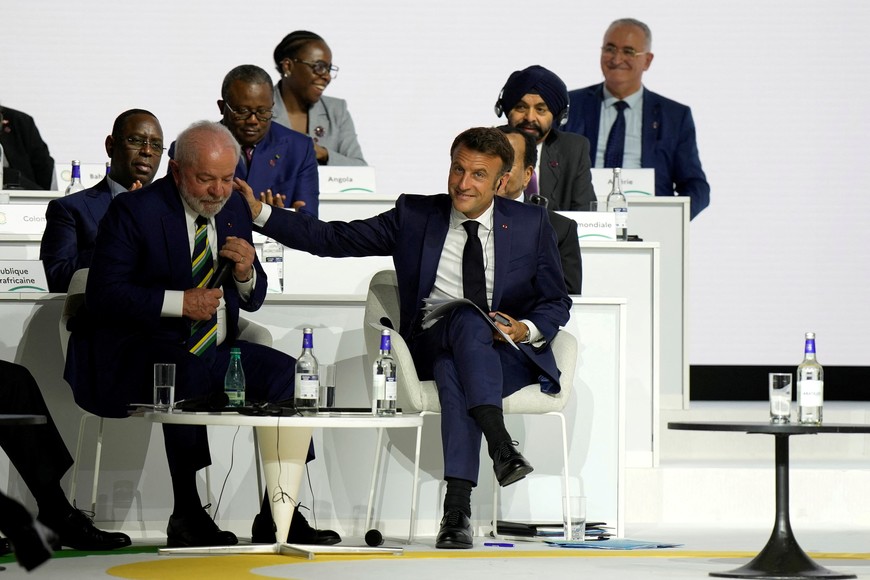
284, 441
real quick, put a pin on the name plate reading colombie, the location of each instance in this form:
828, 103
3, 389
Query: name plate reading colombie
22, 218
596, 226
22, 276
634, 182
346, 179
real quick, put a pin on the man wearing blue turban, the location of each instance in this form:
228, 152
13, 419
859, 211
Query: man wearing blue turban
535, 101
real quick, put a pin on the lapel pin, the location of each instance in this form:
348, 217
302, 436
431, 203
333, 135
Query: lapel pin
319, 131
554, 164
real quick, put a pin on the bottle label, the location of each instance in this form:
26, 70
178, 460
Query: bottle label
307, 341
811, 392
810, 346
379, 384
390, 389
385, 342
621, 215
307, 386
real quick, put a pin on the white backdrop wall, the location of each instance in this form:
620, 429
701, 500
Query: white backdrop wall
783, 147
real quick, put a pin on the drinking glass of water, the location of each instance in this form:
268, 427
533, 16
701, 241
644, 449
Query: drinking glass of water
164, 387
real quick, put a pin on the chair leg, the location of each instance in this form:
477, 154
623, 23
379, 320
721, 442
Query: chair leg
257, 465
98, 455
495, 489
415, 498
76, 461
565, 476
375, 469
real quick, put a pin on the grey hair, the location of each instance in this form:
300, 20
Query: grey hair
247, 73
633, 22
187, 141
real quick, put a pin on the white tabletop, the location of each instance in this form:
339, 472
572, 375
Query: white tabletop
331, 420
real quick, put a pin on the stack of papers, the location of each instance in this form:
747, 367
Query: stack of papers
613, 544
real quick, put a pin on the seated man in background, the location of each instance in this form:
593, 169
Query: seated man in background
525, 156
498, 254
27, 163
535, 101
41, 458
148, 300
135, 148
630, 126
274, 160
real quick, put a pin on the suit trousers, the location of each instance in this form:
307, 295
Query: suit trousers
470, 369
37, 451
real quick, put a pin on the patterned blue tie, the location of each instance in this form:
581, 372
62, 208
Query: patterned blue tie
203, 333
616, 140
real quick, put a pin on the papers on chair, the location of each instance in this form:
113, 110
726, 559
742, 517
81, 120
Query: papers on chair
437, 308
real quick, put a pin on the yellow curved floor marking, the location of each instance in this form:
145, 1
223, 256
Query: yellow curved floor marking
231, 567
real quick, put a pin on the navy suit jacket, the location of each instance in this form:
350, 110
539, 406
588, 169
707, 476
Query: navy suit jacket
564, 177
70, 231
284, 161
569, 251
668, 142
143, 249
30, 164
528, 278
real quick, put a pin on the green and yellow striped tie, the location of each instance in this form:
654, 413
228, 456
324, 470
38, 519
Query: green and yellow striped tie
203, 333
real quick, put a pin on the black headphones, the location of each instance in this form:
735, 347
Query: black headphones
561, 118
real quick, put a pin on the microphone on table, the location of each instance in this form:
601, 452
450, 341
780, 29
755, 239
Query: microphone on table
374, 538
224, 269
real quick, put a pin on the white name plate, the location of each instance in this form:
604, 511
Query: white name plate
23, 218
346, 179
593, 225
91, 173
22, 276
634, 181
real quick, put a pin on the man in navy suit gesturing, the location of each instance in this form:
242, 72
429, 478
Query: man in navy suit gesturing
517, 275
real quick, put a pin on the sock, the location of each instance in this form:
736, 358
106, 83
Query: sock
185, 494
491, 421
458, 496
52, 502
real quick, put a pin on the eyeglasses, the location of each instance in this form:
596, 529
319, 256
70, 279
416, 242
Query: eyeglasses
244, 113
627, 51
320, 68
138, 144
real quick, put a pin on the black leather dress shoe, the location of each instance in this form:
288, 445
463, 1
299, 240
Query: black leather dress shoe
197, 529
301, 532
455, 532
77, 531
509, 464
33, 544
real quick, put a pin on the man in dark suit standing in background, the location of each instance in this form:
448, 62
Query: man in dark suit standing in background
630, 126
470, 243
148, 300
27, 162
525, 157
135, 148
535, 101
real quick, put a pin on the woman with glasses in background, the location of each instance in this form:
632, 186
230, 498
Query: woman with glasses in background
305, 63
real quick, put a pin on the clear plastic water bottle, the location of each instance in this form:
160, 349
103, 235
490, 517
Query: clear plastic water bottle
384, 379
75, 181
618, 205
273, 253
307, 379
234, 381
810, 384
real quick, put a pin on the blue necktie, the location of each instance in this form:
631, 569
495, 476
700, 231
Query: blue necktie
616, 140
